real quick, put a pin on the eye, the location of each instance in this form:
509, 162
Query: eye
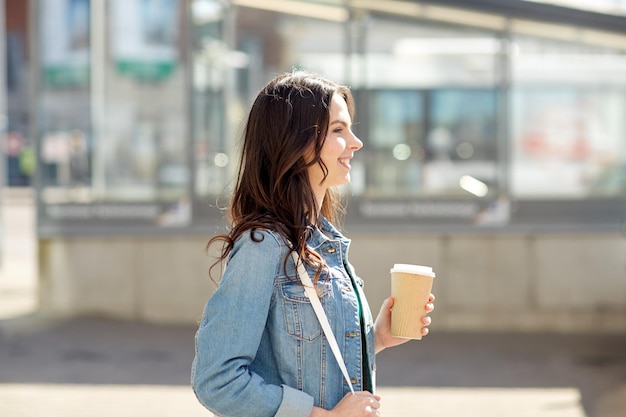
338, 130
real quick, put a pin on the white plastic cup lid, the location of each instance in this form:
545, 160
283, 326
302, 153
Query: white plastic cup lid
413, 269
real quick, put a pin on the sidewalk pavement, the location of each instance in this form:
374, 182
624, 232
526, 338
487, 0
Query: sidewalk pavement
99, 367
95, 367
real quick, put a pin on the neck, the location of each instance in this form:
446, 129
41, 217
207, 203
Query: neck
319, 200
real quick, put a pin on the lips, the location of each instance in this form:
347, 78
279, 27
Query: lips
345, 162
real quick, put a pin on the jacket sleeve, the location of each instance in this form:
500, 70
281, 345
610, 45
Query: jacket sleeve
229, 335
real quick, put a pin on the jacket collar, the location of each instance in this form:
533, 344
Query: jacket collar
326, 232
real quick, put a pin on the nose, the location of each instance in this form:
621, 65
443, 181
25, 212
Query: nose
355, 143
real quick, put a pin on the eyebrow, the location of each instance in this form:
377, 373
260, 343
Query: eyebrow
343, 122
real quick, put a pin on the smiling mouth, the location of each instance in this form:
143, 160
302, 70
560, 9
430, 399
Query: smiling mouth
345, 162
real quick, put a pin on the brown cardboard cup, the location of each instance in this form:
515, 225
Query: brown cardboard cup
411, 286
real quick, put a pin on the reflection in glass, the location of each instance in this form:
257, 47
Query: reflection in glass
423, 142
394, 144
228, 74
423, 134
133, 148
144, 139
567, 120
211, 62
461, 140
64, 106
566, 141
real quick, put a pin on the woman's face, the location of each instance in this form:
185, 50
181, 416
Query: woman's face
337, 151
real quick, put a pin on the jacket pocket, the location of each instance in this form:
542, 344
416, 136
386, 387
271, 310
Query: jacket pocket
300, 319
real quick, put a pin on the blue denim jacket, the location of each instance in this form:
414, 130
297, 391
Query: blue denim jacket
260, 350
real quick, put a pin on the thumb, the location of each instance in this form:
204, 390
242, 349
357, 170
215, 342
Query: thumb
387, 305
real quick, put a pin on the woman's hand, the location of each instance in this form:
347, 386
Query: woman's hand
359, 404
382, 326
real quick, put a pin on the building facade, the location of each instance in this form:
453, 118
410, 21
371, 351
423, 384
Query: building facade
494, 149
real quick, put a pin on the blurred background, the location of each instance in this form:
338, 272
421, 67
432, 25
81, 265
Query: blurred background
495, 151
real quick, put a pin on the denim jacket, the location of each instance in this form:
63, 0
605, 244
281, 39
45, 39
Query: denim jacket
260, 350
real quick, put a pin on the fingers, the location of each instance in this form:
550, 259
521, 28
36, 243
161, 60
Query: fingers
370, 402
367, 394
372, 406
426, 320
389, 301
430, 306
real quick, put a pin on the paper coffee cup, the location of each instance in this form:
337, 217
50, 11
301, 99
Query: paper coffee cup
411, 286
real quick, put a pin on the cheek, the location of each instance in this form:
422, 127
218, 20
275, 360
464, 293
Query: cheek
333, 149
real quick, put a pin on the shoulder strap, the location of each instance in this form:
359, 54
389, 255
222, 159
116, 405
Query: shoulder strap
309, 290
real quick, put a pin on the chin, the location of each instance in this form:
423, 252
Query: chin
338, 182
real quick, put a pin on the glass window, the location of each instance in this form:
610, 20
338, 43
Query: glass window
143, 112
567, 121
64, 102
231, 67
212, 61
461, 140
432, 114
408, 54
112, 120
113, 124
394, 145
16, 141
276, 42
143, 138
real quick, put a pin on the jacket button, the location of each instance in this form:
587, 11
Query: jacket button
330, 250
354, 381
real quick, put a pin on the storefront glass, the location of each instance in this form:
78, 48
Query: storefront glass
232, 64
112, 117
213, 60
64, 114
143, 137
141, 107
567, 120
429, 105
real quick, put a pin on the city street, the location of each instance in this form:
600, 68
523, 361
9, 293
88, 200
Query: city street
99, 367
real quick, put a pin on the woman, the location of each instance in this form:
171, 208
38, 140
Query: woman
260, 350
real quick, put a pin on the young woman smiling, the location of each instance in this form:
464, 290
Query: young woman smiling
260, 349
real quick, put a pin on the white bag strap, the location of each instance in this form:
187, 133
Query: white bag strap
309, 290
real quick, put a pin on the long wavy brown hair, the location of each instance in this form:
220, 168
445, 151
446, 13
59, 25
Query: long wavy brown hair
284, 135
